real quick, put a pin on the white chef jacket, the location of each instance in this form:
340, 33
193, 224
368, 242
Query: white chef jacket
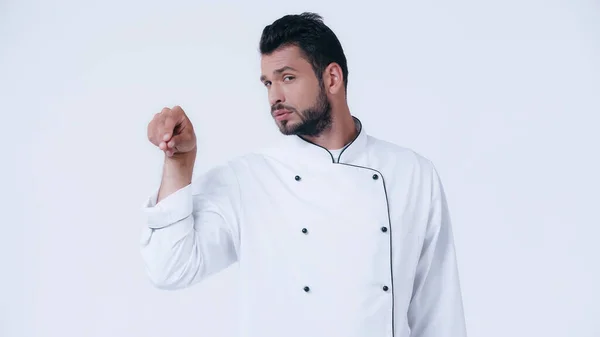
362, 247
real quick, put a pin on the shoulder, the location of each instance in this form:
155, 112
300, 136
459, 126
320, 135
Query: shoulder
398, 155
404, 161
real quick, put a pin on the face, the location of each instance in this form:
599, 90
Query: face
299, 103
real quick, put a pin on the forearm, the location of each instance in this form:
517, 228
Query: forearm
177, 173
190, 234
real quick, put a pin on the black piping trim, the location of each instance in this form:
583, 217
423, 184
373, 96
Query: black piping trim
347, 146
387, 201
391, 241
350, 144
317, 145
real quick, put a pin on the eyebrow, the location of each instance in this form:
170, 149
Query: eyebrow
278, 71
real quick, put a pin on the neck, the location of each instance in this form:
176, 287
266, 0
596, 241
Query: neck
342, 131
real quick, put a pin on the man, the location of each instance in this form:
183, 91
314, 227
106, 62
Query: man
337, 233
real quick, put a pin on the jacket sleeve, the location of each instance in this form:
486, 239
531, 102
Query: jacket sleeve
193, 232
436, 307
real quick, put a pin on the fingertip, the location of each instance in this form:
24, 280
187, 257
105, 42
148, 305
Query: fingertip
166, 136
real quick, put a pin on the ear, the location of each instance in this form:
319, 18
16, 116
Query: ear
333, 78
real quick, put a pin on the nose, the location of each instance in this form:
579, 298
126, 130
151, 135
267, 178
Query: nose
276, 95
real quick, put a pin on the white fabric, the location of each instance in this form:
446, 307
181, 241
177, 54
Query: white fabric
253, 210
335, 154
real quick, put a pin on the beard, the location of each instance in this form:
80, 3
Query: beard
313, 121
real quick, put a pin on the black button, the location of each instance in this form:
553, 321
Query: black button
304, 230
384, 229
297, 178
375, 177
385, 288
307, 289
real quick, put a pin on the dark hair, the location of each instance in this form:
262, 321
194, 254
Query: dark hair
307, 31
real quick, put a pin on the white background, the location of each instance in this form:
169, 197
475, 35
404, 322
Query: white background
503, 96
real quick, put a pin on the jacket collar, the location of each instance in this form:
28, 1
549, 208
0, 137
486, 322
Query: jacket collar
312, 153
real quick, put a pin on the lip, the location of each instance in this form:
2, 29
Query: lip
280, 112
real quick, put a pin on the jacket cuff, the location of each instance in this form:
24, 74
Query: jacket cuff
169, 210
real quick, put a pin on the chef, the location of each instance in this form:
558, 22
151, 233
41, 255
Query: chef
337, 233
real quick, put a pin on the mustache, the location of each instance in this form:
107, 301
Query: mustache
280, 106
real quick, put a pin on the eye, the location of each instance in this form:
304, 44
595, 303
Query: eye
288, 78
267, 83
